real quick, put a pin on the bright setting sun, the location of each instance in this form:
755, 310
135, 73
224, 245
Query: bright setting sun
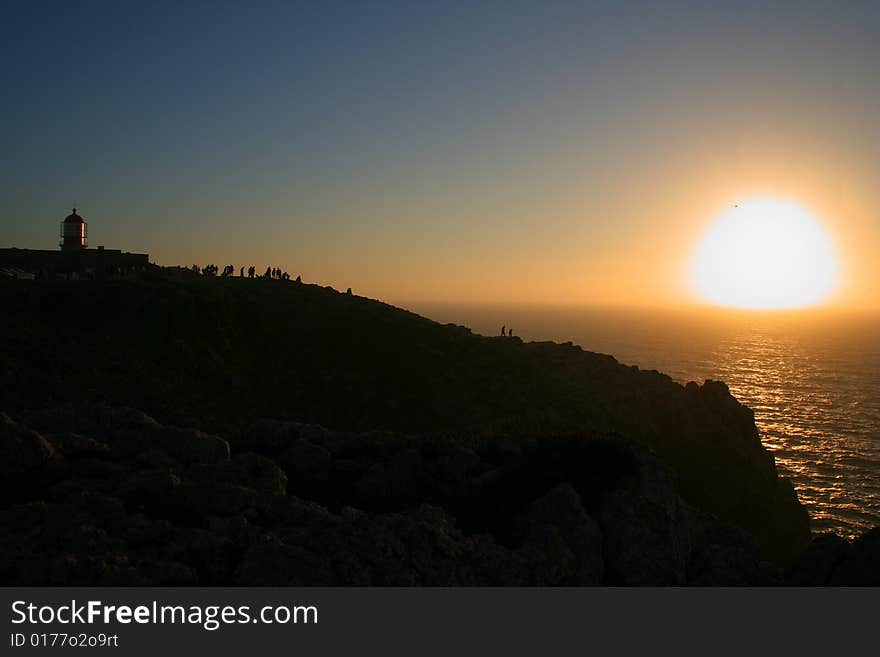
765, 253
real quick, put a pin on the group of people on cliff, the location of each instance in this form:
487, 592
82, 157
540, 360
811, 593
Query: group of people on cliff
275, 273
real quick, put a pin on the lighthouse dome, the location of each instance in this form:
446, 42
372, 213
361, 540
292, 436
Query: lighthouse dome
74, 218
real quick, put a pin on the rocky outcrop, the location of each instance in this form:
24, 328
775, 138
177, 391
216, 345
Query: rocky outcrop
110, 498
22, 451
862, 564
817, 565
563, 541
131, 434
833, 560
646, 529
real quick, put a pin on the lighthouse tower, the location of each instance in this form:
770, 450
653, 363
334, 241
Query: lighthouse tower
74, 232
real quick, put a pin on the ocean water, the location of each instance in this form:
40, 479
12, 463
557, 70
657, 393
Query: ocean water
812, 379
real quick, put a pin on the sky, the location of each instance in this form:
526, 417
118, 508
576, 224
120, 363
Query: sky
543, 152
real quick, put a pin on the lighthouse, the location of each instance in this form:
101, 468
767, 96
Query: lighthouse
74, 232
74, 261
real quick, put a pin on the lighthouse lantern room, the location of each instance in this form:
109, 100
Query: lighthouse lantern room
74, 232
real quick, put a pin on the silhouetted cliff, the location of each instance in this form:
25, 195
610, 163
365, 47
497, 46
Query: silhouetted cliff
219, 354
108, 496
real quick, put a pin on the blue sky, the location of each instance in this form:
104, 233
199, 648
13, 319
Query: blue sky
435, 142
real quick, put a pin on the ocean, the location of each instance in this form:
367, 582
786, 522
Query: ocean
812, 379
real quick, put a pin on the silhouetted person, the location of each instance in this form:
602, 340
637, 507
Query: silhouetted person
348, 291
252, 271
268, 273
503, 331
241, 273
509, 333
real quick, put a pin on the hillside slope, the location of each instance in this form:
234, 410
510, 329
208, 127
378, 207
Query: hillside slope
220, 353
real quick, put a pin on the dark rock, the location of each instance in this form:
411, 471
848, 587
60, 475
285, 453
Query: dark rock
645, 529
141, 530
403, 472
817, 564
278, 564
248, 469
76, 446
558, 523
204, 552
721, 554
130, 432
22, 450
228, 526
150, 488
24, 516
108, 511
268, 437
203, 499
862, 564
455, 462
183, 445
307, 465
393, 482
169, 573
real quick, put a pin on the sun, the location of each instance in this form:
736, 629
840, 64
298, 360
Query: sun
765, 253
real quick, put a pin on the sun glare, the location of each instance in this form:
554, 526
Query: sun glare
765, 253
